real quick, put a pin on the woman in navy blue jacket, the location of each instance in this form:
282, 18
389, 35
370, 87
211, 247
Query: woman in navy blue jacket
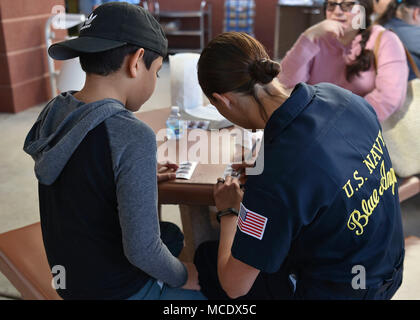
321, 219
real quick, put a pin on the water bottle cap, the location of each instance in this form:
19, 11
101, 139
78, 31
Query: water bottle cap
175, 110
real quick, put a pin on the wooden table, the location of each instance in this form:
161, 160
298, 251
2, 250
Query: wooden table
194, 196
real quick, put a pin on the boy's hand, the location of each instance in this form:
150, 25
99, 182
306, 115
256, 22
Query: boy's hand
192, 281
166, 171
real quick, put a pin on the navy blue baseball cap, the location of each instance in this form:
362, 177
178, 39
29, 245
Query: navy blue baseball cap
113, 25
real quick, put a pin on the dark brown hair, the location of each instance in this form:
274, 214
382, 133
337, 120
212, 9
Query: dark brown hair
366, 58
107, 62
235, 62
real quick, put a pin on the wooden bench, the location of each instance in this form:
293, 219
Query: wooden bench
409, 187
23, 261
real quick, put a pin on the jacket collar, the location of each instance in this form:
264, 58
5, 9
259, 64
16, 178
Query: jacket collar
299, 99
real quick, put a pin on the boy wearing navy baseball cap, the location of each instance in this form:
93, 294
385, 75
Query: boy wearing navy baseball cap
96, 167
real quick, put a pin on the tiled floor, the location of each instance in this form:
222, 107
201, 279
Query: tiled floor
18, 186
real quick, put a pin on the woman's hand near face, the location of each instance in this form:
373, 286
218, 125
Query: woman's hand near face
324, 27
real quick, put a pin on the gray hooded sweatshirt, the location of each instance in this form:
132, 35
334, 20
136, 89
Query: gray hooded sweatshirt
96, 167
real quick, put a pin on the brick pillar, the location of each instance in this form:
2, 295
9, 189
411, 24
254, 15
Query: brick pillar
24, 78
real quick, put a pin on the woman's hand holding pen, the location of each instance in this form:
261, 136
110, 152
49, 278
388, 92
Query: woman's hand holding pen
240, 172
227, 193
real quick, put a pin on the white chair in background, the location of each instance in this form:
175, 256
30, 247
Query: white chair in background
71, 76
186, 92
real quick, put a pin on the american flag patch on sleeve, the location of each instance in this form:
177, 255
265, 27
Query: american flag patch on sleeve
251, 223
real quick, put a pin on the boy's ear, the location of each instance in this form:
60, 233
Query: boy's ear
134, 62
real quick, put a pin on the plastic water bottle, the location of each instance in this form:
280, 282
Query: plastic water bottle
174, 124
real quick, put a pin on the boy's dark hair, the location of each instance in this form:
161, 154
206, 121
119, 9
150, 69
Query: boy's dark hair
107, 62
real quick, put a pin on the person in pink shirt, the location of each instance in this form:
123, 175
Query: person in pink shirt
340, 51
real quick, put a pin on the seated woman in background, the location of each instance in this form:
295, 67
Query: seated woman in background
403, 17
333, 51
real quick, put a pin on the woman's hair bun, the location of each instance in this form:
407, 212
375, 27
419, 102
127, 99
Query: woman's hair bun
264, 70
